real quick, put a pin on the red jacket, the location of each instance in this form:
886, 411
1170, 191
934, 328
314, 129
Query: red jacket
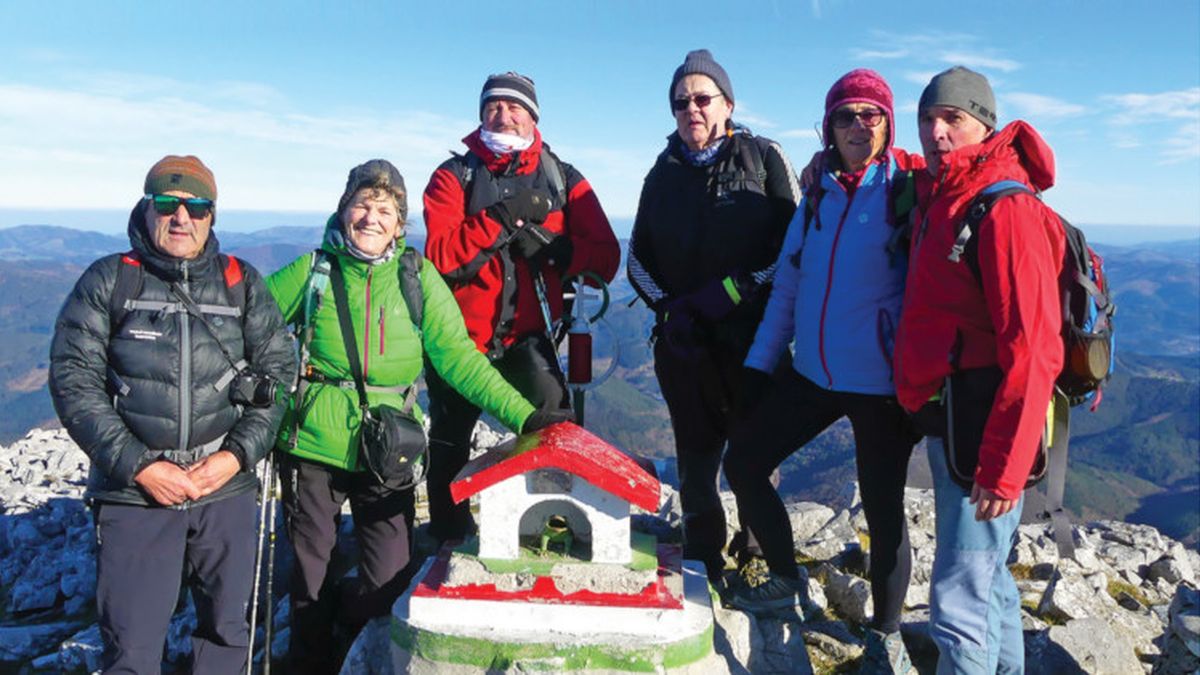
949, 322
495, 289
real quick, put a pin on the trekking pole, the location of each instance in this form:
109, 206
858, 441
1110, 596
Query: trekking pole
258, 556
269, 615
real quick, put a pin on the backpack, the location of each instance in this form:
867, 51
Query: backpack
1087, 334
1088, 309
130, 280
409, 277
408, 271
482, 194
902, 197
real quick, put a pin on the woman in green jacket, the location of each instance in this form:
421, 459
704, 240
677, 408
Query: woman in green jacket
320, 438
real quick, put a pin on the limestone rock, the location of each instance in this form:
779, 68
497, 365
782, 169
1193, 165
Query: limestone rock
371, 652
1071, 595
1181, 651
808, 518
1091, 646
849, 596
830, 644
1175, 566
24, 643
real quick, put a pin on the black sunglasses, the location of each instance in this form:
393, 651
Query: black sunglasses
701, 100
166, 205
842, 119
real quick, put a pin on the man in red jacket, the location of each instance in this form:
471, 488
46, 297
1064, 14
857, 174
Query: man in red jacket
506, 222
979, 348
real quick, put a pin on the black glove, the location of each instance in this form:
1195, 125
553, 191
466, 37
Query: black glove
753, 385
557, 253
527, 206
530, 239
544, 417
677, 326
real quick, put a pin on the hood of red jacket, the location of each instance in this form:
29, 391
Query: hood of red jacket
527, 159
1017, 144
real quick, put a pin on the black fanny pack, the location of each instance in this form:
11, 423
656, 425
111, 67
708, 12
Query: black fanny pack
959, 419
392, 445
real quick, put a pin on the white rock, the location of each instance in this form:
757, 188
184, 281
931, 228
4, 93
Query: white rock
849, 596
807, 518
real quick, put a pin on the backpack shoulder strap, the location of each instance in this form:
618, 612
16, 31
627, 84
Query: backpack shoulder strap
127, 287
555, 174
235, 283
965, 244
409, 271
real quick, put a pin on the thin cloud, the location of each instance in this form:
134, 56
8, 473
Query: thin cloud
921, 77
979, 61
878, 54
1041, 107
1172, 115
806, 134
744, 114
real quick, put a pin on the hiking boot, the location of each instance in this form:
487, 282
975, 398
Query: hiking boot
777, 592
885, 654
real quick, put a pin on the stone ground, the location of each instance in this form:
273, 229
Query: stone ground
1126, 603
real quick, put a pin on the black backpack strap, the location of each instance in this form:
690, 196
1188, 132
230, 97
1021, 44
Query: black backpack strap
127, 288
235, 282
555, 174
1056, 476
409, 271
966, 245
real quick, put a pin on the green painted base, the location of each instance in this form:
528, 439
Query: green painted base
550, 657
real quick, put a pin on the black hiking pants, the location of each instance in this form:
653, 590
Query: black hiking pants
313, 495
531, 366
144, 552
700, 391
793, 413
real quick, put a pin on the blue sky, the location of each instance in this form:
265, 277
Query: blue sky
281, 99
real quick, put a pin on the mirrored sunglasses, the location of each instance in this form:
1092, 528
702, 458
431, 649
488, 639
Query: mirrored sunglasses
166, 205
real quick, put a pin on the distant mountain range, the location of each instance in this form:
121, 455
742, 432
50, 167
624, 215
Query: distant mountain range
1137, 458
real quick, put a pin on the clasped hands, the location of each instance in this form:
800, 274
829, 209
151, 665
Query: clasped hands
522, 215
170, 484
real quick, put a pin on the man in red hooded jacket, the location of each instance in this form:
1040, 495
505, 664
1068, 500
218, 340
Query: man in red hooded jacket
503, 220
1001, 326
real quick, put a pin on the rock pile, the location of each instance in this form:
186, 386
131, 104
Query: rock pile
1126, 603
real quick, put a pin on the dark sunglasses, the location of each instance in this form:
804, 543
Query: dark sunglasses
701, 100
843, 119
166, 205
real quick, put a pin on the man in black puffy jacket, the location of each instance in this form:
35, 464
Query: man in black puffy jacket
162, 369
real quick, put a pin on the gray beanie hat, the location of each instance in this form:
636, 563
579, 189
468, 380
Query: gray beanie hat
379, 174
700, 62
512, 86
961, 88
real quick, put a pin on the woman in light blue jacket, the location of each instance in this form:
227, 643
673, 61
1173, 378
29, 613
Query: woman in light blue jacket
839, 284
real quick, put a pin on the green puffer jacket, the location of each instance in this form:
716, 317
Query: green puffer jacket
390, 351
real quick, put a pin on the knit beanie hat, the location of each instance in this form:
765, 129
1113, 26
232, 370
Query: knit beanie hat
700, 62
964, 89
513, 87
183, 173
378, 174
862, 85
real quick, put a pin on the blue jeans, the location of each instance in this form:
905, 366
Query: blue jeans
975, 609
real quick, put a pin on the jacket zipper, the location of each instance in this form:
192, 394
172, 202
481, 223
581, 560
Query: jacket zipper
381, 331
367, 324
828, 288
185, 369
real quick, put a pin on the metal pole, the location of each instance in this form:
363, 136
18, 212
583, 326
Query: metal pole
269, 615
266, 494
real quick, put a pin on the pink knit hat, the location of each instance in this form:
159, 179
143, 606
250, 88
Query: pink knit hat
860, 86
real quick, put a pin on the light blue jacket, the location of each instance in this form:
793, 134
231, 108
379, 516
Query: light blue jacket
838, 290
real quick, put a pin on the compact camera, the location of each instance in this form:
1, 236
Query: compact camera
254, 389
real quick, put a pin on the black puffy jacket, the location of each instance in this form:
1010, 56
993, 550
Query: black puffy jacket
156, 386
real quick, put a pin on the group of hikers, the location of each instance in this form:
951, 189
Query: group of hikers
173, 366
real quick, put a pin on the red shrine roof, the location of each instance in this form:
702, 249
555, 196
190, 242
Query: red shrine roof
568, 447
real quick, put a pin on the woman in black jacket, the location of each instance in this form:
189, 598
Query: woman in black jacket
710, 222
